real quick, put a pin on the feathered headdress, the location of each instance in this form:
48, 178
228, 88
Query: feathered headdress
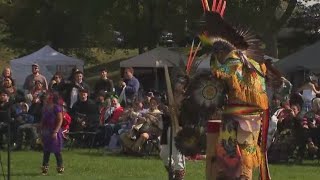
215, 29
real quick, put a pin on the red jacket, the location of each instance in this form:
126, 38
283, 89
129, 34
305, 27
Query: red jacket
66, 121
116, 115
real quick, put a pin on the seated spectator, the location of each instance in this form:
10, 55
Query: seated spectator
25, 124
130, 116
32, 78
5, 108
36, 103
311, 122
6, 73
8, 86
37, 91
126, 121
148, 125
85, 113
117, 111
147, 99
104, 84
66, 121
290, 134
109, 121
101, 100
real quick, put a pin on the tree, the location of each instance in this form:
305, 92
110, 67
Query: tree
303, 29
60, 23
265, 17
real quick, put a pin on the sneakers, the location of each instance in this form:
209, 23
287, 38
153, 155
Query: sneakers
45, 170
60, 170
312, 148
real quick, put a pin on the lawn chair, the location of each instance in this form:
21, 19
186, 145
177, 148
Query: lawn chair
151, 146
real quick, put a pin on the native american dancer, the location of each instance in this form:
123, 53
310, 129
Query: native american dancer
237, 88
173, 159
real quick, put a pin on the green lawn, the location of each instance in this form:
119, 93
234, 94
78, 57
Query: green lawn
85, 165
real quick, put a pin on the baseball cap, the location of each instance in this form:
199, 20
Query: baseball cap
35, 64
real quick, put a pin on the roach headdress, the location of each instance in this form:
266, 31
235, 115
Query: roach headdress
216, 29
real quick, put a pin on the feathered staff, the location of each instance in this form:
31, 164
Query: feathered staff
192, 55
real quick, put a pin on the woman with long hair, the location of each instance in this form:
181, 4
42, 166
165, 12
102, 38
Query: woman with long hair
51, 132
309, 92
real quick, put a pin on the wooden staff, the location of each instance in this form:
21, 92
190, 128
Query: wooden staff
172, 104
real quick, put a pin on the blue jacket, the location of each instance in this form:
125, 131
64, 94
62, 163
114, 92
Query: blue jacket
132, 87
27, 118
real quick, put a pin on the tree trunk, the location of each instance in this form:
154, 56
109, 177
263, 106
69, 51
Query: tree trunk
271, 42
139, 42
152, 30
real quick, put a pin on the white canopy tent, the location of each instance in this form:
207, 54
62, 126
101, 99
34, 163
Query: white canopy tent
307, 59
49, 60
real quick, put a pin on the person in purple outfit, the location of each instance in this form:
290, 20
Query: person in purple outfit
51, 132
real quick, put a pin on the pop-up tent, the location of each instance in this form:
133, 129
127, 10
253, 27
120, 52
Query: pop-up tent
307, 59
49, 60
149, 66
297, 66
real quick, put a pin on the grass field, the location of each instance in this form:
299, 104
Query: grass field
95, 165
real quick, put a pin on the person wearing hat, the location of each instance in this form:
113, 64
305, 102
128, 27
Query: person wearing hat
32, 78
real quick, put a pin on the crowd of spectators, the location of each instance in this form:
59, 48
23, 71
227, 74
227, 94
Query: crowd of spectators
118, 116
294, 132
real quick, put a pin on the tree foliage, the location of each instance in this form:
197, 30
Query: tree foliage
83, 24
303, 29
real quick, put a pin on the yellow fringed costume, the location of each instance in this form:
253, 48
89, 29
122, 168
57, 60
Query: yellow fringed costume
238, 151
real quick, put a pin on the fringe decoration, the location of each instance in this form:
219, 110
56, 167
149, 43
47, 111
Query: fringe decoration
247, 89
250, 159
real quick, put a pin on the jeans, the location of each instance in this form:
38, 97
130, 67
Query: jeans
46, 157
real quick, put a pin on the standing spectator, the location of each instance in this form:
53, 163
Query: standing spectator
71, 77
51, 122
130, 84
104, 84
72, 91
35, 76
6, 73
309, 92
